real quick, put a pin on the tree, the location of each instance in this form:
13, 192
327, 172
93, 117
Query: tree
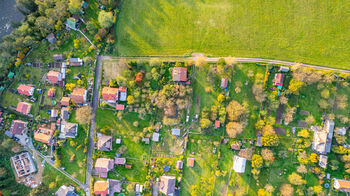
130, 188
40, 190
323, 104
70, 86
230, 61
267, 155
221, 98
74, 6
294, 86
122, 149
233, 129
288, 115
105, 19
341, 102
84, 115
257, 161
200, 61
302, 169
205, 123
270, 140
235, 111
259, 92
325, 93
90, 26
246, 153
130, 99
314, 158
268, 130
310, 120
286, 190
295, 179
303, 133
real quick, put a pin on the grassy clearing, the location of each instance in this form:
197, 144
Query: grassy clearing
112, 69
301, 31
9, 99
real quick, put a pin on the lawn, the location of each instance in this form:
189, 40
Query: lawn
301, 31
9, 99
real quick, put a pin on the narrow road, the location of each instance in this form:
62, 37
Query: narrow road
238, 59
92, 125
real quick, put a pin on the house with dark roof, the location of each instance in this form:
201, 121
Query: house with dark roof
115, 186
18, 127
79, 96
119, 161
68, 130
179, 74
179, 164
26, 90
103, 166
66, 191
104, 142
75, 62
58, 57
24, 108
167, 185
64, 113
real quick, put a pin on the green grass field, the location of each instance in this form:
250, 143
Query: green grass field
305, 31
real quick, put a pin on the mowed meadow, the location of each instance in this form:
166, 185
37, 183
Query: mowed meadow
314, 32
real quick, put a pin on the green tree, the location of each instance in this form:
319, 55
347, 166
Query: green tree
74, 6
105, 19
90, 26
294, 86
205, 123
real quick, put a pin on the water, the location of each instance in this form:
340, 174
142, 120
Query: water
8, 13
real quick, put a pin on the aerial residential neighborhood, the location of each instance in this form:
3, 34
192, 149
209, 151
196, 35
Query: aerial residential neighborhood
176, 98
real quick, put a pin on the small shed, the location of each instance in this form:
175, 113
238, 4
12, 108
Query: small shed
155, 137
323, 161
51, 38
145, 140
176, 132
190, 162
179, 164
284, 69
217, 124
118, 141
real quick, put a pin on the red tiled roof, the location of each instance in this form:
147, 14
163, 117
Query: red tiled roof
51, 92
217, 124
23, 107
24, 89
122, 89
119, 107
278, 80
180, 74
65, 101
78, 95
190, 162
110, 94
53, 76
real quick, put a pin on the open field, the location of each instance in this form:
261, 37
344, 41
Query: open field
302, 31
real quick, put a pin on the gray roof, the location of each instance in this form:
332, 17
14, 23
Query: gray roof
167, 184
176, 132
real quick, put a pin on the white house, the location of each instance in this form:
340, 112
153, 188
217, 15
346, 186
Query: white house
239, 164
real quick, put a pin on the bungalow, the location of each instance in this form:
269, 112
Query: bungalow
23, 164
119, 161
278, 80
79, 96
68, 130
51, 93
115, 186
101, 188
341, 185
58, 57
217, 124
190, 162
224, 83
25, 90
323, 161
23, 108
54, 77
66, 191
122, 93
44, 135
239, 164
65, 101
155, 137
75, 62
322, 139
103, 166
179, 164
167, 185
110, 94
104, 142
179, 74
64, 113
18, 127
284, 69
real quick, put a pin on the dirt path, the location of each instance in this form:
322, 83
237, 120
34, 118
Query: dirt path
38, 177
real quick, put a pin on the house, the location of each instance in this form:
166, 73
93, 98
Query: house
79, 96
119, 107
58, 57
44, 135
115, 186
66, 191
23, 108
239, 164
224, 83
118, 141
145, 140
110, 94
64, 113
101, 188
54, 115
217, 124
23, 164
341, 185
167, 185
127, 166
26, 90
179, 74
18, 127
75, 62
51, 93
68, 130
190, 162
278, 80
284, 69
104, 142
103, 166
119, 161
122, 93
155, 137
54, 77
179, 164
323, 161
322, 140
65, 101
176, 132
51, 38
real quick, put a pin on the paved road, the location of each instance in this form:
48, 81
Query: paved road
92, 125
238, 59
